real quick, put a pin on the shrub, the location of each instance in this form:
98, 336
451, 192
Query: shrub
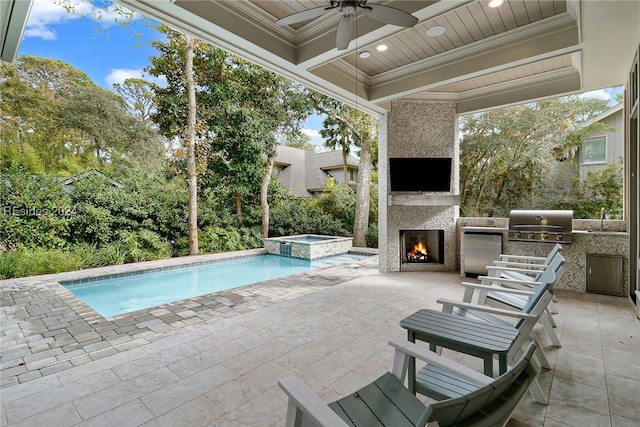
302, 217
33, 262
218, 239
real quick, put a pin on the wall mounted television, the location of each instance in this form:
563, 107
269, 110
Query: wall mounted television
420, 174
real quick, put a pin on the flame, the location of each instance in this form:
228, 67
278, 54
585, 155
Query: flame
418, 249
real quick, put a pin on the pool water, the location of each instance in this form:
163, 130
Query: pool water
112, 296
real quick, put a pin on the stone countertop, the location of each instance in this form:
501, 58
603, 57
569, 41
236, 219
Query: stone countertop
487, 229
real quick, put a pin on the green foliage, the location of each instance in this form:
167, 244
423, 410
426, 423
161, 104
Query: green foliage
339, 201
303, 217
508, 156
217, 239
601, 188
36, 211
31, 262
144, 245
372, 235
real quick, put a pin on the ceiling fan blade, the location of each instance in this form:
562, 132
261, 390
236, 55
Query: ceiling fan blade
305, 15
390, 15
345, 31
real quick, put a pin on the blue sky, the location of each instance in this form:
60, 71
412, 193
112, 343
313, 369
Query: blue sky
110, 53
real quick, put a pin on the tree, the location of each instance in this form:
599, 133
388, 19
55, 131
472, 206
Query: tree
56, 119
346, 125
241, 110
509, 156
192, 172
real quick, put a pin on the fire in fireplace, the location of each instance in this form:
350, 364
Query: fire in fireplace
422, 246
418, 253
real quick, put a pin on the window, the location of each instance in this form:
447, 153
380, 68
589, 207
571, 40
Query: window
353, 175
594, 150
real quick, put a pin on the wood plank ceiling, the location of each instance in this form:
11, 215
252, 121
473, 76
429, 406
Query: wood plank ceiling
486, 56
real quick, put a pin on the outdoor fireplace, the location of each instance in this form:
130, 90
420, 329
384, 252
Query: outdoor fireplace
422, 246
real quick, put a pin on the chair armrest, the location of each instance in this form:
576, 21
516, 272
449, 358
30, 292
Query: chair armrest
303, 400
524, 265
507, 257
420, 352
485, 308
516, 269
505, 281
483, 290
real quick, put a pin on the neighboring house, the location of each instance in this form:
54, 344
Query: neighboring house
603, 147
68, 182
304, 172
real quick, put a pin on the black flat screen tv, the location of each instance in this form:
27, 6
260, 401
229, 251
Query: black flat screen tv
420, 174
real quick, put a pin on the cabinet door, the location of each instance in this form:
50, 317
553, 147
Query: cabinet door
604, 274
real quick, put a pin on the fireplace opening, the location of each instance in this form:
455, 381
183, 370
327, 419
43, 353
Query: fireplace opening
422, 246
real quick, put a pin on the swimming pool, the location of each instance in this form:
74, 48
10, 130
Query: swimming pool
111, 296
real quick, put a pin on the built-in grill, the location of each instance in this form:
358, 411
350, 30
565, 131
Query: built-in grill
541, 226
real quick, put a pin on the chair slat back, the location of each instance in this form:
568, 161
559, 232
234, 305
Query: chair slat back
488, 403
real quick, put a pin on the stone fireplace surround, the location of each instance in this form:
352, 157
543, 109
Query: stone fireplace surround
418, 129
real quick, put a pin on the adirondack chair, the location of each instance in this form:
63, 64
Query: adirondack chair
525, 268
523, 320
499, 292
483, 402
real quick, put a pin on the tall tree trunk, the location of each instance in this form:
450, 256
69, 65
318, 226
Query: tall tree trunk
363, 202
192, 173
264, 202
237, 200
345, 169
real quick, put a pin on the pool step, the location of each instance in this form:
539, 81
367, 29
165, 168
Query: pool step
336, 260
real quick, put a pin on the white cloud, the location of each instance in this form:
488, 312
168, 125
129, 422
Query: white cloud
311, 133
119, 75
46, 13
597, 94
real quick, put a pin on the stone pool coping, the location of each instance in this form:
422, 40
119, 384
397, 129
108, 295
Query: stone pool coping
46, 329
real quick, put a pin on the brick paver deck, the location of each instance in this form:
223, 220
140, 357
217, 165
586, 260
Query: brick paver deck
46, 329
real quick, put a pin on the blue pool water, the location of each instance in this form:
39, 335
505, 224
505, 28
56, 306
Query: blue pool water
112, 296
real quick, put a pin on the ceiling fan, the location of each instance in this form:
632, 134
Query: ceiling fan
347, 11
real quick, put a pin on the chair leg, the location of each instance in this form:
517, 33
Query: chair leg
542, 358
547, 313
552, 307
536, 392
548, 327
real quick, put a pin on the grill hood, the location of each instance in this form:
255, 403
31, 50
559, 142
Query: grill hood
541, 225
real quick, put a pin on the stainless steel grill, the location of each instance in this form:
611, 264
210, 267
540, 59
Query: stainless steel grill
541, 226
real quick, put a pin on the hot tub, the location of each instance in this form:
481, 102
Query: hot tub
308, 246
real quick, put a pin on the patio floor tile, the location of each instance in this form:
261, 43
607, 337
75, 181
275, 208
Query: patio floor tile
330, 327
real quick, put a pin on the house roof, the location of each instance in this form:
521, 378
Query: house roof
603, 115
91, 172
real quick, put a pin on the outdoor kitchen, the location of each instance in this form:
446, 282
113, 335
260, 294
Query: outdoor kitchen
588, 239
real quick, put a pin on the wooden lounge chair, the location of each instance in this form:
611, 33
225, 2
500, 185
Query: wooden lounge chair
386, 402
524, 268
524, 322
499, 292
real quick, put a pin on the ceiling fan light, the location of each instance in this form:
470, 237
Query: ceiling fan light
436, 31
364, 54
495, 3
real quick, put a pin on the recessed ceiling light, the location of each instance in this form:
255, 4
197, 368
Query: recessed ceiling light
364, 54
436, 31
382, 47
495, 3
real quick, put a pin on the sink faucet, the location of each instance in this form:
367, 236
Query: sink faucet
601, 219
